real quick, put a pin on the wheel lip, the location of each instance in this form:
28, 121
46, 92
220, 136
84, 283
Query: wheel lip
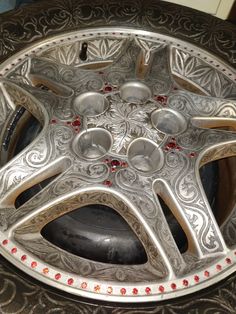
205, 52
122, 298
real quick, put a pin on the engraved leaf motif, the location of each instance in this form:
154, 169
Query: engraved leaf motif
105, 48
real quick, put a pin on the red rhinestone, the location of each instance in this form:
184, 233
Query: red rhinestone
171, 145
135, 291
57, 276
124, 164
218, 267
107, 89
70, 281
107, 183
178, 148
23, 258
228, 260
191, 155
14, 250
123, 291
53, 121
196, 278
115, 163
109, 290
68, 122
148, 290
113, 169
76, 123
161, 289
5, 242
34, 264
97, 288
185, 282
161, 99
107, 161
84, 285
206, 273
173, 286
45, 270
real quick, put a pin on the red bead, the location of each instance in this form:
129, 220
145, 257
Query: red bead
171, 145
124, 164
76, 123
191, 155
107, 89
218, 267
161, 289
58, 276
70, 281
185, 282
84, 285
34, 264
123, 291
5, 242
113, 169
148, 290
206, 273
23, 258
161, 99
173, 286
97, 288
178, 148
115, 163
228, 260
196, 278
14, 250
109, 290
107, 183
135, 291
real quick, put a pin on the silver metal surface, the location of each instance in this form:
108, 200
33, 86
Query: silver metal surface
141, 104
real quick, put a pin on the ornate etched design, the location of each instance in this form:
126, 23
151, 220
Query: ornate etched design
179, 147
199, 72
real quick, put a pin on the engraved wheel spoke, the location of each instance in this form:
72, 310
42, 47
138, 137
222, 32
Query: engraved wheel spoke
140, 194
188, 201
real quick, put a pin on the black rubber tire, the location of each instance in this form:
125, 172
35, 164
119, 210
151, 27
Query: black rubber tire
22, 294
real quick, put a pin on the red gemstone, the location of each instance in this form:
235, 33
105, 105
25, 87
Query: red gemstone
171, 145
192, 155
68, 122
70, 281
124, 164
161, 99
57, 276
196, 278
218, 267
4, 242
123, 291
107, 183
109, 290
206, 273
97, 288
33, 264
107, 89
84, 285
161, 289
135, 291
113, 169
173, 286
23, 258
14, 250
53, 121
178, 148
107, 161
45, 270
228, 260
76, 123
115, 163
148, 290
185, 282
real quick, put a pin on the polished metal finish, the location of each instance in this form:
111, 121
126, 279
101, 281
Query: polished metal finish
161, 74
90, 104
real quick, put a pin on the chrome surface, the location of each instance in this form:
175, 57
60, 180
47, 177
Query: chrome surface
143, 104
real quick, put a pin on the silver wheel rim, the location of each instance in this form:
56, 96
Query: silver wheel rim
213, 260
